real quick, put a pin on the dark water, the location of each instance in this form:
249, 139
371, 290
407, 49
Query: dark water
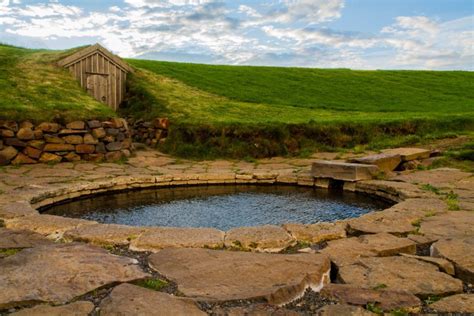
221, 207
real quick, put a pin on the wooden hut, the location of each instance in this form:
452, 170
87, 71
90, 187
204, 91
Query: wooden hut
100, 72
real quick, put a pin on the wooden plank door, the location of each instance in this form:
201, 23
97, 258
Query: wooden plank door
97, 87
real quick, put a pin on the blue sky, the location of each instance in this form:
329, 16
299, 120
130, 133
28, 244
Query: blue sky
358, 34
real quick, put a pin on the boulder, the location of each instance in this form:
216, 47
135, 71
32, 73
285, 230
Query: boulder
409, 154
22, 159
401, 274
170, 237
79, 308
387, 300
25, 134
266, 238
212, 275
58, 147
385, 162
73, 139
316, 233
58, 273
79, 125
128, 299
85, 149
349, 250
343, 171
460, 303
50, 158
458, 250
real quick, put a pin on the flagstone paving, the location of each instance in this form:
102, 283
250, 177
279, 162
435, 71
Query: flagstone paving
381, 259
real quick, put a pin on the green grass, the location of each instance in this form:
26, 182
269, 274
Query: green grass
152, 284
32, 87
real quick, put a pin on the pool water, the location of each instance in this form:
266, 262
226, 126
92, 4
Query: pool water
221, 207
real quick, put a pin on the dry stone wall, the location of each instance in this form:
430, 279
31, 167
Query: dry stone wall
27, 143
150, 133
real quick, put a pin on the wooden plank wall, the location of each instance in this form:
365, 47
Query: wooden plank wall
101, 65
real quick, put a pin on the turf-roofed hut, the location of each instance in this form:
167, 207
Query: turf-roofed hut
100, 72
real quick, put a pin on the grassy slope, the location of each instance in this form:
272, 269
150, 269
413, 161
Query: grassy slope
33, 87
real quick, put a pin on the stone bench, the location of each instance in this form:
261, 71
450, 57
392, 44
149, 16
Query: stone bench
343, 171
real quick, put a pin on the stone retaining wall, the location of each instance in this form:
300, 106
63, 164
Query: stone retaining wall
150, 133
27, 143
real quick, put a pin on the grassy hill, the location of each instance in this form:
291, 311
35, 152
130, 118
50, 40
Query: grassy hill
33, 87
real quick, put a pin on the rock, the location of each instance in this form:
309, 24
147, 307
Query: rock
25, 134
99, 132
113, 156
316, 233
15, 142
126, 153
7, 154
112, 131
439, 178
58, 147
85, 149
161, 123
451, 224
408, 154
347, 251
32, 152
115, 146
54, 139
65, 132
9, 125
460, 303
399, 219
128, 299
391, 190
18, 239
343, 171
1, 144
266, 238
80, 125
170, 237
90, 140
16, 209
80, 308
50, 158
402, 274
460, 251
72, 157
22, 159
253, 310
109, 139
49, 127
94, 124
117, 122
26, 124
38, 134
442, 264
37, 144
58, 273
94, 157
409, 165
385, 162
47, 225
386, 300
212, 275
7, 133
104, 234
73, 139
343, 310
100, 148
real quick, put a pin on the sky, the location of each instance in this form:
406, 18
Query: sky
357, 34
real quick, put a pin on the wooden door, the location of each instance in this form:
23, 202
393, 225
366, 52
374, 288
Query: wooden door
97, 87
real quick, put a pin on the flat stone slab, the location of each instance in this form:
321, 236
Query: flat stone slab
409, 154
346, 310
385, 162
212, 275
266, 238
48, 225
460, 303
316, 233
461, 252
80, 308
16, 209
399, 219
449, 225
401, 274
443, 264
60, 272
440, 178
254, 310
18, 239
128, 299
349, 250
170, 237
343, 170
386, 300
104, 234
391, 190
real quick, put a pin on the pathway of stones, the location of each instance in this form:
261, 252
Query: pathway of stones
62, 266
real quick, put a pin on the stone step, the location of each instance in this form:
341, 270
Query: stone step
344, 171
385, 162
409, 154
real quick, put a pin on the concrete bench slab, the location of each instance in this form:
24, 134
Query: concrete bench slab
343, 170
